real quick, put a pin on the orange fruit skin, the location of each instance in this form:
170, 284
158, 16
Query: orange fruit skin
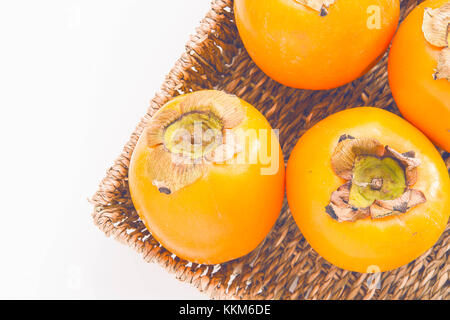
297, 47
220, 217
423, 101
368, 244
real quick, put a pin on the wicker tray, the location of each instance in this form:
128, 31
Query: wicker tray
284, 266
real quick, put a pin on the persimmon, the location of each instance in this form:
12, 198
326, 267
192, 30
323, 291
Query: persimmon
419, 70
316, 44
368, 190
207, 177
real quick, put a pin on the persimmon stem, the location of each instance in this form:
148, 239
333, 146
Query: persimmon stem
376, 183
193, 134
376, 179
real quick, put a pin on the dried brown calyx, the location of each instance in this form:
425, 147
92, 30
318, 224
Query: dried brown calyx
320, 6
436, 30
185, 139
379, 180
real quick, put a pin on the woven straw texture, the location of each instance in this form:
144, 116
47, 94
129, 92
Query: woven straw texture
284, 266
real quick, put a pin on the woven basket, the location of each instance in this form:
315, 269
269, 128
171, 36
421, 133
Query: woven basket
284, 266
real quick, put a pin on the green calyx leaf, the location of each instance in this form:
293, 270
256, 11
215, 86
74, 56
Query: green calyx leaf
376, 179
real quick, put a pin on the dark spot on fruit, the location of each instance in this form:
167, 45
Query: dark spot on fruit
330, 212
164, 190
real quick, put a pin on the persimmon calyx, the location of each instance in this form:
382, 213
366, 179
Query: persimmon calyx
187, 139
320, 6
378, 180
443, 67
436, 30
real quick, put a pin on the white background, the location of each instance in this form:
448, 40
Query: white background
75, 78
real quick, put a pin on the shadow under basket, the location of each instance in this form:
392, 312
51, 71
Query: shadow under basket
284, 266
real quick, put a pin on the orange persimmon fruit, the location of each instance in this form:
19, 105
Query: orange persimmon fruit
368, 190
421, 92
207, 177
316, 44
